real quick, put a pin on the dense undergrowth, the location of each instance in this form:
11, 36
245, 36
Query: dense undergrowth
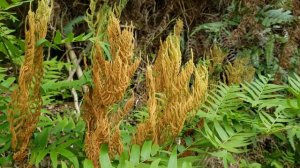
167, 83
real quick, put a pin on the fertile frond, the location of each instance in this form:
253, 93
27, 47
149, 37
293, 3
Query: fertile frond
26, 103
172, 81
215, 57
239, 71
111, 79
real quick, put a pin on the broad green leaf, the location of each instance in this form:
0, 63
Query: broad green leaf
63, 164
88, 164
70, 156
128, 165
187, 165
69, 38
211, 27
42, 42
146, 150
154, 149
16, 4
221, 132
123, 158
58, 37
8, 82
173, 159
104, 157
155, 163
53, 157
40, 156
135, 154
41, 139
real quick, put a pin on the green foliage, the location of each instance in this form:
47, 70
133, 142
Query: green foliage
55, 82
6, 87
223, 100
249, 125
60, 138
70, 25
237, 116
276, 16
10, 46
226, 137
214, 27
149, 156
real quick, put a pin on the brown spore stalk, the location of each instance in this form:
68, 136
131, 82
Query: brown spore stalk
26, 102
174, 91
111, 79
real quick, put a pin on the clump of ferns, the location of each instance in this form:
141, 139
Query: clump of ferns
26, 102
111, 79
171, 98
220, 68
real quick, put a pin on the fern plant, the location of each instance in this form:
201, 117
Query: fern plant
276, 16
61, 138
221, 101
6, 87
238, 116
10, 45
260, 92
148, 155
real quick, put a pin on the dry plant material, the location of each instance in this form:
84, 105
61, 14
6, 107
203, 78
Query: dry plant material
111, 79
216, 58
239, 71
26, 102
173, 92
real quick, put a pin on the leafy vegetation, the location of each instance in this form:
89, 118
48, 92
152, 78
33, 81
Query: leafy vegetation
112, 84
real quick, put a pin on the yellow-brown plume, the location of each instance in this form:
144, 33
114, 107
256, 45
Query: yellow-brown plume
26, 103
215, 57
111, 79
171, 81
239, 71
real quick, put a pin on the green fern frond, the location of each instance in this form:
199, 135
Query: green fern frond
260, 91
293, 134
272, 123
53, 70
2, 73
221, 101
97, 19
277, 16
70, 25
6, 83
226, 137
5, 32
294, 84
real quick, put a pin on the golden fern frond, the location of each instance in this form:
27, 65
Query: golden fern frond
215, 57
26, 103
239, 71
147, 129
170, 79
111, 79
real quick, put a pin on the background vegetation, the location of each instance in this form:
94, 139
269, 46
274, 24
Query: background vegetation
249, 116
